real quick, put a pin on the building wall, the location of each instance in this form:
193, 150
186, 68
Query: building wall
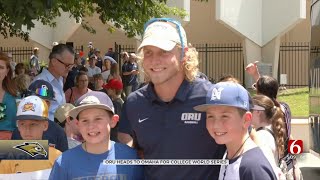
202, 28
103, 39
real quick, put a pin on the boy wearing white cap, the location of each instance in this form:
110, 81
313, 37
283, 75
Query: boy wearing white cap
228, 118
95, 116
32, 121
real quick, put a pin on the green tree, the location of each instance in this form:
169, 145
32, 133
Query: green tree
128, 14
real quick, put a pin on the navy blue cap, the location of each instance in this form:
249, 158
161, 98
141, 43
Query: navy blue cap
92, 99
226, 94
41, 88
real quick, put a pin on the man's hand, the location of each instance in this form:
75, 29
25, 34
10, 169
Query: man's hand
135, 72
252, 70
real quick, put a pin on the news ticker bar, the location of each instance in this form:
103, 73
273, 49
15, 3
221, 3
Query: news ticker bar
166, 162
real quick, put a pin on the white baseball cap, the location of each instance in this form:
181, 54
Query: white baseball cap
164, 35
32, 108
92, 99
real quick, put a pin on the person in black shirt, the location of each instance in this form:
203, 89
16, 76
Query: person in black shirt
73, 73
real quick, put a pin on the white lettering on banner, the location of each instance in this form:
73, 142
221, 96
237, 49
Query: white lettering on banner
174, 162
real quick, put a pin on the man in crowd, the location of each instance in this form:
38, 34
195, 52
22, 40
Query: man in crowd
164, 125
61, 60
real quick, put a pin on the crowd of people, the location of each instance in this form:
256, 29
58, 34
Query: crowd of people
90, 110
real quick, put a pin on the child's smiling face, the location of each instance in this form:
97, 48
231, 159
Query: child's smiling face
95, 125
225, 124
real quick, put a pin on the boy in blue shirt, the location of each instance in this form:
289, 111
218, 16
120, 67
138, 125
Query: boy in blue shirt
228, 118
95, 116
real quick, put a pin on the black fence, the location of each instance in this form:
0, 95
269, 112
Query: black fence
19, 54
217, 60
119, 48
77, 49
294, 61
314, 51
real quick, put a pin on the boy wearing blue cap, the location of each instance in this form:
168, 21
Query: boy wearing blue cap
228, 118
95, 116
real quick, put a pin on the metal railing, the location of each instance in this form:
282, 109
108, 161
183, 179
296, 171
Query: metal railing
294, 61
217, 60
19, 54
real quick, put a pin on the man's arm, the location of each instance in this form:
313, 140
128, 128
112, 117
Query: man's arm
128, 73
125, 128
252, 70
125, 139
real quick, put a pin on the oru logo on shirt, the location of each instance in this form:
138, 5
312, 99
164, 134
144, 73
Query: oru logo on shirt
191, 118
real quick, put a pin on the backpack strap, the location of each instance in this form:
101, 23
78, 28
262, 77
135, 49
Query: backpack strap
287, 117
264, 128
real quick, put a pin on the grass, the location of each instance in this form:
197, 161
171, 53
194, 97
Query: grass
297, 99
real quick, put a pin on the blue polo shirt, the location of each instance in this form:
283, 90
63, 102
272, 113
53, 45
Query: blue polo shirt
130, 79
172, 130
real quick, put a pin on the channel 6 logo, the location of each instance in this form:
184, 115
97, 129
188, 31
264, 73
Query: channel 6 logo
295, 146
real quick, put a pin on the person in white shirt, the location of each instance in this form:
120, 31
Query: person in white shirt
92, 68
271, 131
61, 60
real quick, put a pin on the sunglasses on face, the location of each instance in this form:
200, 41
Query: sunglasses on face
3, 108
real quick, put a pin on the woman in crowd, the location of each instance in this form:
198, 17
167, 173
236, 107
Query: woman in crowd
81, 88
114, 72
271, 130
20, 69
22, 81
269, 86
8, 93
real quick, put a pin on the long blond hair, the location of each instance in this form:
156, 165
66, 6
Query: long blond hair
190, 65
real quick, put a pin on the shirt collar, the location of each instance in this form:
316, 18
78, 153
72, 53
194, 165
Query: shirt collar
181, 95
49, 76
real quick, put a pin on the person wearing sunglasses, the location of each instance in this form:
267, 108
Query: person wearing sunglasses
61, 60
54, 134
8, 93
159, 117
80, 88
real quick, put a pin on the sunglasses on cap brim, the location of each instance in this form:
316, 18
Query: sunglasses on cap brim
42, 92
178, 26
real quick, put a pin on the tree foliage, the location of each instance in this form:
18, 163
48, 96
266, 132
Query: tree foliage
127, 14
